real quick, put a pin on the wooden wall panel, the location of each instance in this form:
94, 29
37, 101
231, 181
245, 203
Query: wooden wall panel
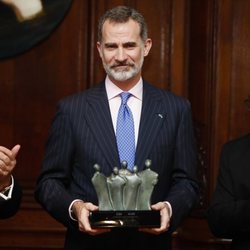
179, 47
31, 228
200, 66
157, 64
240, 88
221, 85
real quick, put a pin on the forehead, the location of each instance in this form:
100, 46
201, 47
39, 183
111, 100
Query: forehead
121, 32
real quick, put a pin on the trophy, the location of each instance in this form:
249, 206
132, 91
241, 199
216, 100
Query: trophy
124, 198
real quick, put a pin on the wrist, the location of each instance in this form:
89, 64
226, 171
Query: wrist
6, 190
5, 184
169, 208
76, 209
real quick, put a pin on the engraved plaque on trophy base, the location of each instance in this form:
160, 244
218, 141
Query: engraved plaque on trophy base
126, 219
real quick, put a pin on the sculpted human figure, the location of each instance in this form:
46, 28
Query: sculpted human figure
124, 189
148, 181
130, 191
115, 186
100, 182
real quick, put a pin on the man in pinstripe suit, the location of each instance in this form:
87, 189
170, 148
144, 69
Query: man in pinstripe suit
83, 134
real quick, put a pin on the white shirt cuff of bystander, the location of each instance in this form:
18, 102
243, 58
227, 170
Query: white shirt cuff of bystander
6, 193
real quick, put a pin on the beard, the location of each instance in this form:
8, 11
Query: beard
125, 74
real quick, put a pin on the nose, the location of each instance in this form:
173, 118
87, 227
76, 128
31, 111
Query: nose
121, 54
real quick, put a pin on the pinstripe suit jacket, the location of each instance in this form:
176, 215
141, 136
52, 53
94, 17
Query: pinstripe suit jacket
82, 134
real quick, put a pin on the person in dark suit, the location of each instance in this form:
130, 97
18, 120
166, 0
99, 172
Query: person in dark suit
10, 190
83, 134
228, 214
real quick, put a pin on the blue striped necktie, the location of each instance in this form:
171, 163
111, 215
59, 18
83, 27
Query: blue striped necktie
125, 134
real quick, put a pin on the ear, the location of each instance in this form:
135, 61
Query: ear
98, 46
147, 46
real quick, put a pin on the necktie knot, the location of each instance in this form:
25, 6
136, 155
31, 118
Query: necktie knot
125, 96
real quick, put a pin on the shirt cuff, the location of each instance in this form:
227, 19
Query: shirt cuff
71, 214
6, 194
169, 208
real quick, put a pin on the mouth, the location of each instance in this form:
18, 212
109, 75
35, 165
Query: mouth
122, 67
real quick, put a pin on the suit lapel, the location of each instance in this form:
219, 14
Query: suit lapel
152, 117
100, 122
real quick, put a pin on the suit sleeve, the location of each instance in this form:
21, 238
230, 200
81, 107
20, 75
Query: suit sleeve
53, 183
183, 194
10, 207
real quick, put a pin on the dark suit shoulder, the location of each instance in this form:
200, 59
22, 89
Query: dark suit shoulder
79, 99
164, 94
237, 145
72, 98
235, 156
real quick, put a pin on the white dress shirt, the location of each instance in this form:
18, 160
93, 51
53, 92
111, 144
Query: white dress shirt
134, 103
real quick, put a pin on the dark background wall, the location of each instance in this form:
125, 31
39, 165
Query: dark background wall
201, 50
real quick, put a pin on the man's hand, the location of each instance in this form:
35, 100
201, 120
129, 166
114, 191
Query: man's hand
7, 165
165, 219
82, 211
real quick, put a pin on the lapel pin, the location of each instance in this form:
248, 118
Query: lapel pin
160, 115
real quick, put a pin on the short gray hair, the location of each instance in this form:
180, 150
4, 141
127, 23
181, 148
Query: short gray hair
122, 14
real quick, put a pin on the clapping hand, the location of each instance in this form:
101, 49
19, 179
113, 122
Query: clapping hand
7, 164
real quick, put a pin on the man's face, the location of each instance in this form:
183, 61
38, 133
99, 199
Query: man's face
122, 50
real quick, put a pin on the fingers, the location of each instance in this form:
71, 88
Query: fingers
165, 219
84, 224
8, 159
7, 154
15, 150
83, 212
159, 206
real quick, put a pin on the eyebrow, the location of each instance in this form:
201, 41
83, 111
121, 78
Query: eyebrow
125, 45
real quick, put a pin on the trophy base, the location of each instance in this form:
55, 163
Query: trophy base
126, 218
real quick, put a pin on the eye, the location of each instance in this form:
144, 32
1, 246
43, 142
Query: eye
130, 45
110, 46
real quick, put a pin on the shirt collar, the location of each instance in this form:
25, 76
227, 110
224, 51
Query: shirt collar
113, 91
